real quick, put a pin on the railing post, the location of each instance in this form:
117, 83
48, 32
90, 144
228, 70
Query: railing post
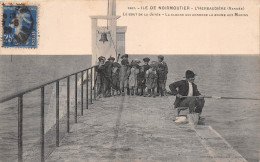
87, 90
20, 128
57, 114
91, 71
42, 124
68, 104
94, 84
82, 93
76, 95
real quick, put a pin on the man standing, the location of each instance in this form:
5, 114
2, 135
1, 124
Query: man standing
162, 71
184, 90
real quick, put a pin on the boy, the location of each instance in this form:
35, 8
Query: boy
115, 78
123, 76
151, 81
142, 74
133, 78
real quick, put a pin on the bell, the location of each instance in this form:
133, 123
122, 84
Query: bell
103, 37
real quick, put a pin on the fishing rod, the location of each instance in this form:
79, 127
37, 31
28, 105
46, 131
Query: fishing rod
219, 97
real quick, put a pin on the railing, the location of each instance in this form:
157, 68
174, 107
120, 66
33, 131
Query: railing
20, 94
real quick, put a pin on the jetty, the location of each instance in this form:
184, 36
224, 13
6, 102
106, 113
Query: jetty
117, 128
134, 128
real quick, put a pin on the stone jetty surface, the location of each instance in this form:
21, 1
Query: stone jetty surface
131, 128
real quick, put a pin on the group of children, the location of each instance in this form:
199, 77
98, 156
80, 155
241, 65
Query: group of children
130, 78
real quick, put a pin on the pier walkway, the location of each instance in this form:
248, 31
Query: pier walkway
134, 128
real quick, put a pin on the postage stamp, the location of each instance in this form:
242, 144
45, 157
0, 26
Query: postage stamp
19, 26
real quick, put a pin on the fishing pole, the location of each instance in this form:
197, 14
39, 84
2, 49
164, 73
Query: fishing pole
219, 97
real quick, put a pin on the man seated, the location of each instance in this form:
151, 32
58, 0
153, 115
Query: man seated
184, 90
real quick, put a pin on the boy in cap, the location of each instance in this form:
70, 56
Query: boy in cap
162, 75
124, 57
151, 79
111, 59
115, 78
134, 71
143, 70
99, 80
124, 75
108, 76
187, 88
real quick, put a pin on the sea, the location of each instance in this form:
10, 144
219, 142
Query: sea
236, 120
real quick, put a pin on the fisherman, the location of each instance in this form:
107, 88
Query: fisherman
124, 74
99, 80
188, 89
162, 72
115, 78
143, 70
151, 79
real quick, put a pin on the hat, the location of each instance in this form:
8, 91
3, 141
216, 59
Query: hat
161, 56
116, 64
146, 59
124, 55
189, 74
101, 58
111, 58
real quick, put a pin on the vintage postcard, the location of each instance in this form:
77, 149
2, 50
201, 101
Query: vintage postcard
129, 80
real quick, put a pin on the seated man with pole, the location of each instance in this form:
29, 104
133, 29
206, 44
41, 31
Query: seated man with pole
185, 90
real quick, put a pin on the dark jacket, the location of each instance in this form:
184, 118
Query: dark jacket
182, 88
162, 70
108, 69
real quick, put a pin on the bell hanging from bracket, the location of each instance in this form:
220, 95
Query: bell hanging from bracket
103, 37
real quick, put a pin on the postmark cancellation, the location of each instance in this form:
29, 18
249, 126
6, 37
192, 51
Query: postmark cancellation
19, 25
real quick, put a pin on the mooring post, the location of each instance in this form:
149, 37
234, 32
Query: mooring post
68, 104
20, 128
42, 124
57, 114
76, 95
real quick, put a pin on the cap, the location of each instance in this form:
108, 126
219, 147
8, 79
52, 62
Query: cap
124, 55
146, 59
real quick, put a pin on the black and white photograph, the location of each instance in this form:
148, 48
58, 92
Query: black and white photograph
129, 80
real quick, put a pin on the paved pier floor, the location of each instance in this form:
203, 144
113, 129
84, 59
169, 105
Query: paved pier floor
140, 129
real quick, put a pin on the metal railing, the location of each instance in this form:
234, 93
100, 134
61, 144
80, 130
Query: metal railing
20, 95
